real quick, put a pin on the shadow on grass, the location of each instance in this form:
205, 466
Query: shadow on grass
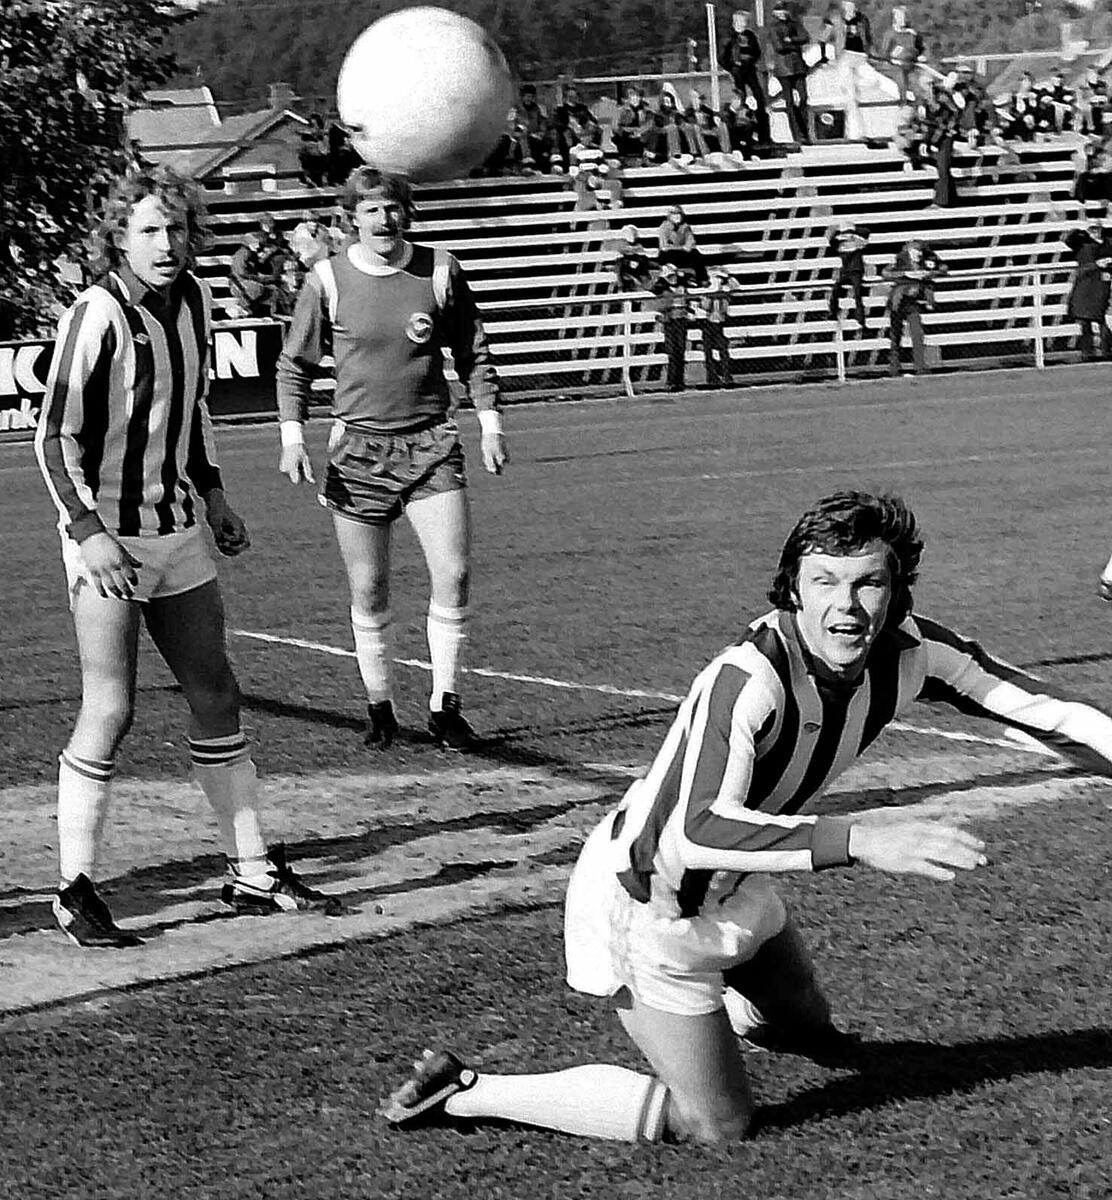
891, 1072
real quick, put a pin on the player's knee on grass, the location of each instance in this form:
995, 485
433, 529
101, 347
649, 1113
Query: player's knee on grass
702, 1119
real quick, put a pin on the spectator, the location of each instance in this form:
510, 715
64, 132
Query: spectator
532, 123
904, 49
944, 118
562, 135
312, 156
912, 275
677, 246
742, 131
673, 125
507, 156
252, 288
274, 249
635, 268
1088, 299
848, 34
714, 312
636, 134
1093, 103
587, 168
970, 100
310, 243
848, 243
787, 41
1061, 100
705, 127
342, 157
1094, 178
674, 310
741, 56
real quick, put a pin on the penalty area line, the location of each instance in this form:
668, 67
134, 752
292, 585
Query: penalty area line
1012, 739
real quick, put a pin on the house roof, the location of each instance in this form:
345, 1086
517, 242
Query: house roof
177, 123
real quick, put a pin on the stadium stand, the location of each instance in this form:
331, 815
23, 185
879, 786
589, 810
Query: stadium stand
544, 272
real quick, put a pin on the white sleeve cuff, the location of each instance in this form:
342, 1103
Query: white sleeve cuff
293, 434
490, 420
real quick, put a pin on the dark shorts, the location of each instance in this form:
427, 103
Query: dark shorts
371, 477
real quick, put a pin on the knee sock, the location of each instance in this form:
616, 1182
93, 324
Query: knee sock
223, 768
374, 653
84, 791
447, 633
597, 1100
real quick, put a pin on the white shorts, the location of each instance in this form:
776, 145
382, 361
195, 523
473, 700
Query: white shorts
672, 964
169, 565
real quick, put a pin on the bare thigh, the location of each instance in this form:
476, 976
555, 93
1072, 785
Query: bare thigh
442, 523
188, 630
107, 632
365, 550
699, 1060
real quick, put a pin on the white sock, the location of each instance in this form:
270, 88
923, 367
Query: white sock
374, 653
447, 633
84, 791
223, 768
596, 1100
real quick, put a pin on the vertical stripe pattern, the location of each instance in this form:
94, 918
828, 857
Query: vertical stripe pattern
124, 441
758, 735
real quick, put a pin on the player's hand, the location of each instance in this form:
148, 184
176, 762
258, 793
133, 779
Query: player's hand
495, 453
1104, 588
228, 530
294, 463
927, 848
109, 566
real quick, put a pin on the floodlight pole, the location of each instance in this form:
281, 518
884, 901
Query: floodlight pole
712, 50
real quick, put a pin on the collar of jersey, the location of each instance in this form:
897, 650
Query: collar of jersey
137, 292
367, 269
891, 636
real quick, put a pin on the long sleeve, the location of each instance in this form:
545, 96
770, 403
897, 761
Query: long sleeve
467, 341
75, 413
306, 343
200, 462
719, 831
962, 674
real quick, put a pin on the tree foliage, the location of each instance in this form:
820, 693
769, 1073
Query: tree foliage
68, 71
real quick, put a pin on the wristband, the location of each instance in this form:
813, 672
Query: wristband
292, 433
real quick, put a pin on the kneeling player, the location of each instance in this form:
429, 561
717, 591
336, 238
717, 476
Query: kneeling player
386, 308
124, 444
670, 912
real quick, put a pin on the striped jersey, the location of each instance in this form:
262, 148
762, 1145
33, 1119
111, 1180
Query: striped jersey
759, 735
386, 329
125, 439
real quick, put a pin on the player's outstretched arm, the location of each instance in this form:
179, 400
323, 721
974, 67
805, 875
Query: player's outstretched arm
927, 848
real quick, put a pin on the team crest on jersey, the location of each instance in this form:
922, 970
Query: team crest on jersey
419, 328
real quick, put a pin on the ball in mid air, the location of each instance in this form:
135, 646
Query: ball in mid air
425, 93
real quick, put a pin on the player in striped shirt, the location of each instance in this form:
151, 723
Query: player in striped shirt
670, 913
385, 308
125, 446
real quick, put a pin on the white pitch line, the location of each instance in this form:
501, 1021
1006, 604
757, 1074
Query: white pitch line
1012, 740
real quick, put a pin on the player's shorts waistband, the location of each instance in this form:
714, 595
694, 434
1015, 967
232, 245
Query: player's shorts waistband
379, 429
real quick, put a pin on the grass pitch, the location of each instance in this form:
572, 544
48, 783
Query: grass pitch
627, 544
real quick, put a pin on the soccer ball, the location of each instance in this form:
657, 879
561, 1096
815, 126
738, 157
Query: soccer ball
425, 93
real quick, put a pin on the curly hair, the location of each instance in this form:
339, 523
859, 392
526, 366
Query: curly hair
364, 180
175, 190
845, 523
